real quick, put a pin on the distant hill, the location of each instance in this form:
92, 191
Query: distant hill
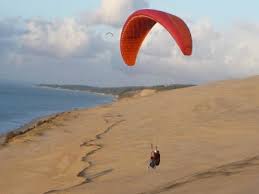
117, 91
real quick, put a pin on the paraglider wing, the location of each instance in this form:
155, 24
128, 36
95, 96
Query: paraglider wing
109, 33
141, 22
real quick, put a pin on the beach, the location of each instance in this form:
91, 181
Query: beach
207, 136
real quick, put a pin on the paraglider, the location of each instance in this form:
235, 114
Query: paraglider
141, 22
109, 34
154, 157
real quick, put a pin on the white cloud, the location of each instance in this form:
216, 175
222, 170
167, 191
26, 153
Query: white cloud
114, 12
59, 38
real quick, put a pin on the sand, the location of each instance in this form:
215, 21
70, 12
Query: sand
207, 135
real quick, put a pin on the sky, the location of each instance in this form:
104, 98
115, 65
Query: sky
54, 41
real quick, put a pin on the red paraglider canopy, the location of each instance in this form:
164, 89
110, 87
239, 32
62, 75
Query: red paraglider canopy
141, 22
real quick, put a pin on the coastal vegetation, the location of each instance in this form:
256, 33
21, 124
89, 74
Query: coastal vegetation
121, 92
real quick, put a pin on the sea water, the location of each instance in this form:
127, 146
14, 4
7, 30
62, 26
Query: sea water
21, 103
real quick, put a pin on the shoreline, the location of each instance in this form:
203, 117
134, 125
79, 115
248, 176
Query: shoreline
71, 90
6, 137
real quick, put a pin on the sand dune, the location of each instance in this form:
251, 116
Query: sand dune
208, 138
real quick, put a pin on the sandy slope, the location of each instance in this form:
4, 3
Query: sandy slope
208, 137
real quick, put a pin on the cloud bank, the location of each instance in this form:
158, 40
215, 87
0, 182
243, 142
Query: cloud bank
77, 50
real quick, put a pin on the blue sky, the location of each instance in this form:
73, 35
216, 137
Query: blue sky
220, 11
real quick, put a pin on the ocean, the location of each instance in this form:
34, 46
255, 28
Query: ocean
21, 103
